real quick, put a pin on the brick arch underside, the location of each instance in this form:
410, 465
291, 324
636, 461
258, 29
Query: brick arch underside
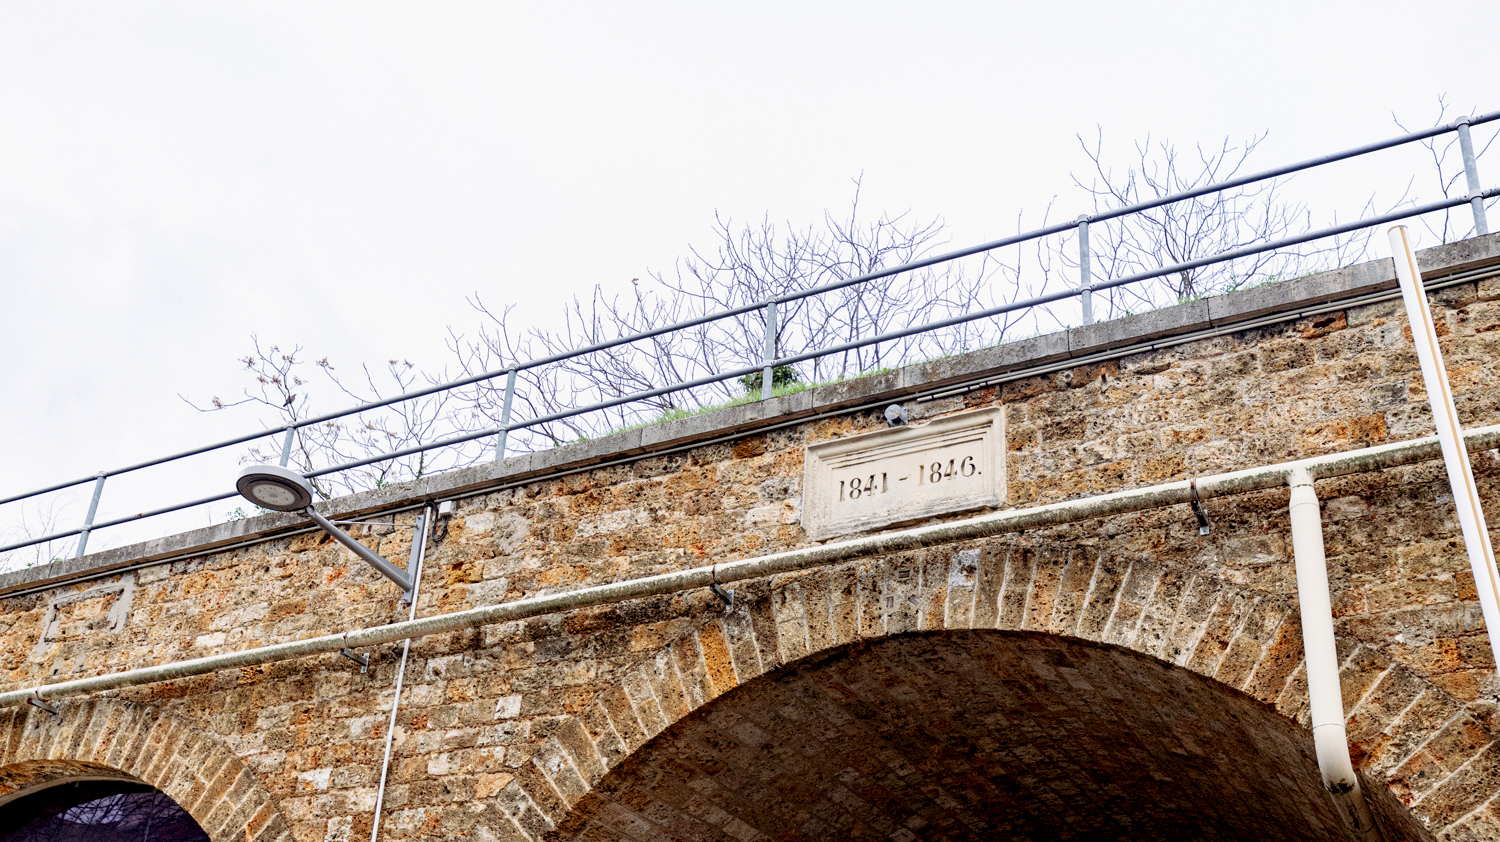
105, 738
973, 735
1423, 756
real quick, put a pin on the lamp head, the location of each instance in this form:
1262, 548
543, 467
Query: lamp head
275, 488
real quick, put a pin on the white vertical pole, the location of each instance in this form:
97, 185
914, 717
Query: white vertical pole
1325, 698
1445, 417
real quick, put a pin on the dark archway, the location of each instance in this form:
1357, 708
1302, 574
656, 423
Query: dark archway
110, 740
974, 735
97, 810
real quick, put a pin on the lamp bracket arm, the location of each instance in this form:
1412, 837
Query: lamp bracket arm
375, 560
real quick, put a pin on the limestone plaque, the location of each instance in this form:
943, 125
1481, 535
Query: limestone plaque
950, 464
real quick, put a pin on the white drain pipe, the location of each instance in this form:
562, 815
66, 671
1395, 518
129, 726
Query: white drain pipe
1324, 694
1450, 434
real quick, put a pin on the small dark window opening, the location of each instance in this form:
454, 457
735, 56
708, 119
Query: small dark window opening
97, 811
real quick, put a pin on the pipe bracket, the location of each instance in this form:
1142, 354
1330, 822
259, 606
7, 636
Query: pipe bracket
725, 596
55, 708
363, 659
1198, 510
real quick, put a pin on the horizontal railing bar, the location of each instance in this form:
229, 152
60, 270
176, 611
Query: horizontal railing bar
197, 451
177, 507
922, 328
1288, 169
405, 451
59, 487
923, 263
886, 337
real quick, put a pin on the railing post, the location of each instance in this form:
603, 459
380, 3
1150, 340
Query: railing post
286, 444
1085, 280
767, 371
88, 522
510, 393
1471, 174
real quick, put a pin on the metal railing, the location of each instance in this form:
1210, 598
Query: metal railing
1083, 292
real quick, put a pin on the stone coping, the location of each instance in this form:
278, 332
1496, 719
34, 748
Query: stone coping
1124, 335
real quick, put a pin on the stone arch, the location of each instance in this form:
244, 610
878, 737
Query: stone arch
18, 780
1407, 736
974, 735
95, 738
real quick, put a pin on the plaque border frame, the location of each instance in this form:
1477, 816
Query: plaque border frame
820, 524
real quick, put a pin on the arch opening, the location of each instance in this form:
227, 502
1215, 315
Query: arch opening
975, 735
59, 800
96, 810
106, 740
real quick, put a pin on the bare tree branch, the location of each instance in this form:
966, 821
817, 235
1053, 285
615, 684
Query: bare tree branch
282, 388
750, 263
1448, 174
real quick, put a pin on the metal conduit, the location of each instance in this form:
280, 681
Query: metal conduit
982, 526
418, 554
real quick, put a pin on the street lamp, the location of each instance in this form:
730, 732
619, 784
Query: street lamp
281, 490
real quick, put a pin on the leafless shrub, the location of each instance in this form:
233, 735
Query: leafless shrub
1191, 229
748, 264
35, 519
1448, 171
282, 388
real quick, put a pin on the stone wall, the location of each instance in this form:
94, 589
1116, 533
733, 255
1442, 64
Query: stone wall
503, 729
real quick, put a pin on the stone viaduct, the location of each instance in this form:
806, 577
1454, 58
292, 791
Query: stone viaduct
1120, 677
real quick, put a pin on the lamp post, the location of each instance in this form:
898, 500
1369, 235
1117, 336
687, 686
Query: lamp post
282, 490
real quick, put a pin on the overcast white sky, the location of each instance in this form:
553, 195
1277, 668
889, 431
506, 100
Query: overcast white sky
177, 176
